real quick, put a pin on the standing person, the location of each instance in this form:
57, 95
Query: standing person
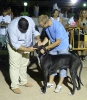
4, 21
36, 10
55, 16
10, 13
65, 15
55, 6
83, 30
73, 23
19, 45
58, 37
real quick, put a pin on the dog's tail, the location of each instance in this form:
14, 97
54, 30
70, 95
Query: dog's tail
81, 66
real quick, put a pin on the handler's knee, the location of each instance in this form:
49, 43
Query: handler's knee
63, 73
54, 74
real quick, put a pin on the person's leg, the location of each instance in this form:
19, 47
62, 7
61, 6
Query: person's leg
51, 80
84, 51
51, 77
23, 70
63, 74
80, 52
1, 40
14, 61
71, 36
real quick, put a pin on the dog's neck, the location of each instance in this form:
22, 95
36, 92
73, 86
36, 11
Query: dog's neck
42, 55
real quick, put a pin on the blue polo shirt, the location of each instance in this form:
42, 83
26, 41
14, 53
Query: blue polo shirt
57, 31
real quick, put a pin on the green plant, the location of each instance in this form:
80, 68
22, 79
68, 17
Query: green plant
24, 14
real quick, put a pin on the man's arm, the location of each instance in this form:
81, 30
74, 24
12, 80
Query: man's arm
53, 45
26, 49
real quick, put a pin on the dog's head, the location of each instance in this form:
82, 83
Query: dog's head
39, 49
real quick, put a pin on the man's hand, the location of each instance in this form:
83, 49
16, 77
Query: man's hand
31, 49
42, 51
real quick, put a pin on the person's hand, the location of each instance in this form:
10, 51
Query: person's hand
39, 43
31, 49
42, 51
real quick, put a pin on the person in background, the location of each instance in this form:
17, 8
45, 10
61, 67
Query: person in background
4, 21
55, 6
36, 10
10, 13
83, 30
59, 43
55, 16
19, 45
73, 23
65, 15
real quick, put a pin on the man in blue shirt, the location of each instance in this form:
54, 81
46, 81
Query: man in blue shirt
59, 43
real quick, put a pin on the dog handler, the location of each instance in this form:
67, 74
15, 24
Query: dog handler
59, 44
19, 44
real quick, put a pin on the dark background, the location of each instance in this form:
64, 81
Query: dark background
45, 6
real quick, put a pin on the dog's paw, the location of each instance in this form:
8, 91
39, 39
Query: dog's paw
43, 91
78, 88
70, 93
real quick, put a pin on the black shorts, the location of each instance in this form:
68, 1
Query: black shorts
81, 38
76, 32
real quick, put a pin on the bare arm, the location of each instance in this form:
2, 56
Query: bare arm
26, 49
53, 44
61, 20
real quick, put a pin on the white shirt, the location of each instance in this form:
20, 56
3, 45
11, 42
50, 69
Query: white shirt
36, 9
15, 38
58, 18
6, 19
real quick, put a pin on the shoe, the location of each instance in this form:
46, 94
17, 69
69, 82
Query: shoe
16, 90
70, 47
28, 85
83, 58
49, 85
58, 89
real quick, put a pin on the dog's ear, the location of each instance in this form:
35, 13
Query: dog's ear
36, 45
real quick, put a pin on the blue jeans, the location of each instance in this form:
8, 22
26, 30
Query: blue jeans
63, 72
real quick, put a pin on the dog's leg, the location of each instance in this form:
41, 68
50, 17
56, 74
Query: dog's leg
78, 80
73, 76
45, 73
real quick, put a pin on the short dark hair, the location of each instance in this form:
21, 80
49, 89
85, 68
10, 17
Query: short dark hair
53, 11
23, 24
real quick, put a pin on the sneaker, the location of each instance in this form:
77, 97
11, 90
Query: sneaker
49, 85
70, 46
58, 89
